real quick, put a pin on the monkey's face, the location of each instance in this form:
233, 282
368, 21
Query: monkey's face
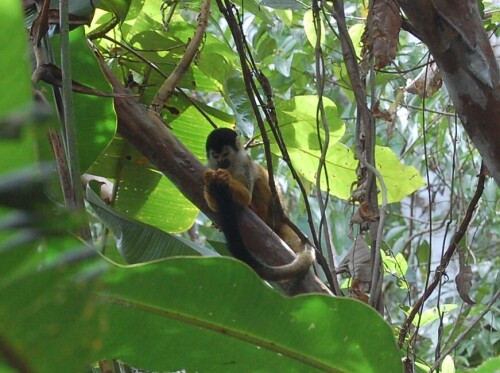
224, 150
221, 159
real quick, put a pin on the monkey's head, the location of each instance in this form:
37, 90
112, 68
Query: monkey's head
224, 148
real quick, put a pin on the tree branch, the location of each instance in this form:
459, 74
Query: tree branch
149, 134
454, 33
365, 136
13, 358
175, 77
227, 9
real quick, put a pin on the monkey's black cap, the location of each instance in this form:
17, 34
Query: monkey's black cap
219, 138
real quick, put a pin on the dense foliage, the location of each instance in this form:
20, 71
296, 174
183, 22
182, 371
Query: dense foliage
125, 271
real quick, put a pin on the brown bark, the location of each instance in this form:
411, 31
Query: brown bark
149, 134
454, 33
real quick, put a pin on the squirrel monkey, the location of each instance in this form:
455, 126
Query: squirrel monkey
234, 179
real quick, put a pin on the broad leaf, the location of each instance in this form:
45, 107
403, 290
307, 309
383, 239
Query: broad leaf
299, 127
143, 192
340, 164
432, 314
139, 242
310, 29
15, 82
298, 122
400, 180
48, 276
204, 318
118, 7
489, 366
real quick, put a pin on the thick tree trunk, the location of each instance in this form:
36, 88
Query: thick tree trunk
454, 33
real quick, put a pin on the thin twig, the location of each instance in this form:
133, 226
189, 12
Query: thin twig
321, 118
462, 335
226, 9
376, 276
440, 270
155, 67
429, 196
365, 122
447, 231
168, 87
253, 95
13, 358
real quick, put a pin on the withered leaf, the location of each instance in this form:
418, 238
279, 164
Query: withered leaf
41, 24
427, 82
464, 283
382, 32
357, 262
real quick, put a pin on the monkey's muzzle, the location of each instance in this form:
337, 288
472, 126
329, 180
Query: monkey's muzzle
223, 163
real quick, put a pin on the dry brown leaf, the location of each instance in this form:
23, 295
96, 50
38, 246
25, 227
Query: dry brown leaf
358, 289
382, 32
427, 82
464, 283
364, 213
357, 262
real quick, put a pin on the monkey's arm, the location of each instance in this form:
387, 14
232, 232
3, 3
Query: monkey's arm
224, 194
239, 193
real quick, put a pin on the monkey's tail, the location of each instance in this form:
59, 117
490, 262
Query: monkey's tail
228, 223
228, 214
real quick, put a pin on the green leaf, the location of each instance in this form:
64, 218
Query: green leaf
207, 320
340, 163
298, 122
356, 32
51, 320
340, 69
139, 242
216, 67
235, 98
448, 366
395, 265
118, 7
495, 17
302, 144
21, 149
46, 286
489, 366
432, 314
310, 29
143, 193
15, 83
283, 4
400, 180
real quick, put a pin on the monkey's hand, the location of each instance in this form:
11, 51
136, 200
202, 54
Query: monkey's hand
219, 182
210, 180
